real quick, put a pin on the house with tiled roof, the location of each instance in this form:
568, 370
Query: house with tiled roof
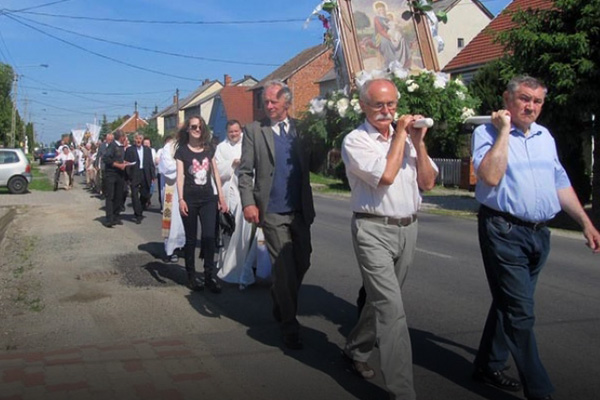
132, 124
301, 73
466, 18
170, 118
483, 48
234, 101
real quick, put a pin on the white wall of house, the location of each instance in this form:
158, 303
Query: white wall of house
160, 126
465, 21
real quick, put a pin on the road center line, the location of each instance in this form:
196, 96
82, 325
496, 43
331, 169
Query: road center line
433, 253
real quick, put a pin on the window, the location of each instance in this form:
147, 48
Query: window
461, 43
8, 157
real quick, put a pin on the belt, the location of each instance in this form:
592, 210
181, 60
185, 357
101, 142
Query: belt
536, 226
405, 221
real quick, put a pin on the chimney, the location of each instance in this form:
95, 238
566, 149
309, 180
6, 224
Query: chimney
206, 81
227, 80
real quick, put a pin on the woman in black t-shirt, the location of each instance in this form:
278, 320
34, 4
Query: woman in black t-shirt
199, 189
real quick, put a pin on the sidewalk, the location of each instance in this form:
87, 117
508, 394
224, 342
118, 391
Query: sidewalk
176, 368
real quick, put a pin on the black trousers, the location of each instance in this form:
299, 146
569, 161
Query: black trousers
204, 209
140, 195
114, 185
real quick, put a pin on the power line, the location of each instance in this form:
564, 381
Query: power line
97, 93
150, 50
55, 88
40, 6
166, 22
99, 54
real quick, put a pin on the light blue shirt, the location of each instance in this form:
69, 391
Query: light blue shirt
528, 189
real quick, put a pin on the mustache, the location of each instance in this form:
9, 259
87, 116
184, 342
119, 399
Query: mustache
384, 117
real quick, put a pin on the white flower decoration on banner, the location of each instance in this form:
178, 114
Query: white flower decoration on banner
379, 74
412, 86
362, 77
398, 70
330, 104
460, 95
355, 106
342, 106
317, 106
466, 113
459, 82
441, 80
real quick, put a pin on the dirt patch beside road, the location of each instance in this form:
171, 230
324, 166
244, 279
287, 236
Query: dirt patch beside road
67, 280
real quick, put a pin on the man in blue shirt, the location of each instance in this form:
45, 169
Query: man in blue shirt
521, 185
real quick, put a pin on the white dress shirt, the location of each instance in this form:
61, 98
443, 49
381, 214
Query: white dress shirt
277, 129
364, 153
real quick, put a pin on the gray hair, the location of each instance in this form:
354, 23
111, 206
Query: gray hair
284, 91
363, 94
526, 80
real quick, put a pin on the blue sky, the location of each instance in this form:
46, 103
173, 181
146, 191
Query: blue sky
83, 81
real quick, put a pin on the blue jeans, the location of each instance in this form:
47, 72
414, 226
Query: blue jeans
513, 256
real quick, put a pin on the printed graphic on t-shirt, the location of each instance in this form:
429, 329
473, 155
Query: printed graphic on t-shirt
200, 171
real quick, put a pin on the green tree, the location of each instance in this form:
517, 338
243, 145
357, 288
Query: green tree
6, 80
104, 127
30, 136
562, 47
150, 132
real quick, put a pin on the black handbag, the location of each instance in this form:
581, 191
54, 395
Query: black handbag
227, 222
225, 226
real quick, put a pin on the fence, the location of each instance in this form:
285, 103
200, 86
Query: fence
450, 170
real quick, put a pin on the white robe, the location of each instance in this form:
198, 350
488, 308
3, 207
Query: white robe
168, 168
238, 256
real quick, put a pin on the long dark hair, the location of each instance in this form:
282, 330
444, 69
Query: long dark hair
184, 135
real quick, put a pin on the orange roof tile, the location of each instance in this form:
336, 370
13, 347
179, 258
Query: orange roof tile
482, 48
237, 101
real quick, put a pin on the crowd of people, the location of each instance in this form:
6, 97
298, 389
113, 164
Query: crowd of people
260, 173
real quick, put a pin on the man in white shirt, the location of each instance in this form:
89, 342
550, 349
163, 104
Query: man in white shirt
386, 167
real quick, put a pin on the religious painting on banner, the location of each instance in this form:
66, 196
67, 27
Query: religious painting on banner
386, 32
375, 33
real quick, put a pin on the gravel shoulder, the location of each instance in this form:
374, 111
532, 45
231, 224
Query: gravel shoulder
67, 280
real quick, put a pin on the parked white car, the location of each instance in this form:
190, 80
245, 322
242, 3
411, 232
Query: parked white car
15, 170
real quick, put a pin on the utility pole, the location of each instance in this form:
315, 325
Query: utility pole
13, 123
177, 108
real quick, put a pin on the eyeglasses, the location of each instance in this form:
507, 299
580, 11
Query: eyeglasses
194, 127
379, 106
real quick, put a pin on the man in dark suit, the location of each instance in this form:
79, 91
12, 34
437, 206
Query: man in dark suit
114, 178
141, 174
276, 194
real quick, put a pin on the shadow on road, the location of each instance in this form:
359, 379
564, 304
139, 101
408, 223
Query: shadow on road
252, 308
434, 353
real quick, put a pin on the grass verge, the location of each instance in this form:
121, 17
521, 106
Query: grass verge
325, 184
40, 180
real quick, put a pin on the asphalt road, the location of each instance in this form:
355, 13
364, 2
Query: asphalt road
446, 299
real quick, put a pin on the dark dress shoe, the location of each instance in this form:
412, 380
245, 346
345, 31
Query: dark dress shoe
213, 285
497, 379
292, 341
194, 285
118, 222
138, 220
108, 224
